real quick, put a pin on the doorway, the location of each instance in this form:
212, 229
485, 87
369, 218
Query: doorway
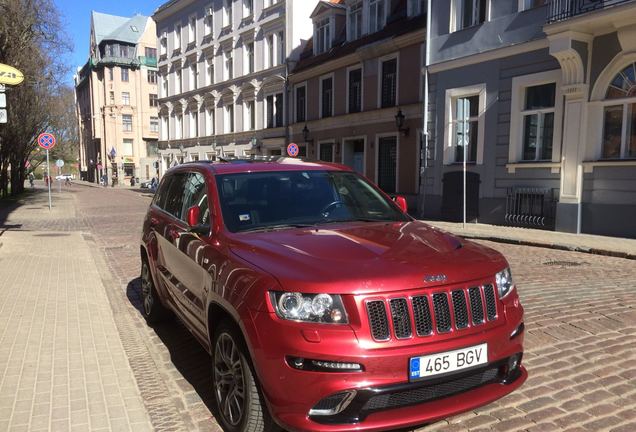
353, 154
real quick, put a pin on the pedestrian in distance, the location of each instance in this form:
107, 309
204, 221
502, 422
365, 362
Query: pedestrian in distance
31, 179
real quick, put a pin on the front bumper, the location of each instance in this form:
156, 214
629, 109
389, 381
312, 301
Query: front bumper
385, 398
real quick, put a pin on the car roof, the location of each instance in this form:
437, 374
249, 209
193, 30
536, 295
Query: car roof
239, 165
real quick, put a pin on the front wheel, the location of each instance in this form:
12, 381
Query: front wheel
153, 310
240, 404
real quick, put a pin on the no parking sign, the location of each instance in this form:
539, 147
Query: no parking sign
46, 141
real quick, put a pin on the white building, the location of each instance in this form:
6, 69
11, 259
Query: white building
223, 66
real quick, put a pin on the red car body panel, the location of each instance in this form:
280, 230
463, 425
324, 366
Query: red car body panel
361, 261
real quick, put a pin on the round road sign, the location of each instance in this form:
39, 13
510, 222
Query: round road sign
59, 163
46, 141
292, 149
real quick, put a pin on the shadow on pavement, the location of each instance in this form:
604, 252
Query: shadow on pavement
187, 355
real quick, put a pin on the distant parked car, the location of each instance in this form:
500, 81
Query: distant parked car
149, 184
65, 177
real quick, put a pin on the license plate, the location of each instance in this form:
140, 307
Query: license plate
449, 361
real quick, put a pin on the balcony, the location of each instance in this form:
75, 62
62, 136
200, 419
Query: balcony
148, 61
560, 10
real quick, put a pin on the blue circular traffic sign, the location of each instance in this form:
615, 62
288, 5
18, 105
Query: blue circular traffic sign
46, 141
292, 149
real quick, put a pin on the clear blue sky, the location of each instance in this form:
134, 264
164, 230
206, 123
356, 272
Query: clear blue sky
76, 19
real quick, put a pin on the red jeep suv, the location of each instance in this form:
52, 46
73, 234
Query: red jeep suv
324, 305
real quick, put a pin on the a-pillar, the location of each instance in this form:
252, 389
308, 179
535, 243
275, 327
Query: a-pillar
571, 50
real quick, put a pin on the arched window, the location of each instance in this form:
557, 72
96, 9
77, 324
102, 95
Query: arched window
619, 116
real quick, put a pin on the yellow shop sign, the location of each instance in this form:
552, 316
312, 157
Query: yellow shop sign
10, 75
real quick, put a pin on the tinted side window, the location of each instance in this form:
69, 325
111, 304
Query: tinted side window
196, 194
174, 198
162, 192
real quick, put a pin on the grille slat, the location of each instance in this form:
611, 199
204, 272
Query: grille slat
378, 320
442, 312
422, 314
435, 317
476, 305
460, 309
401, 319
491, 306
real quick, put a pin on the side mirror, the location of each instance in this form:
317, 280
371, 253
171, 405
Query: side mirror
401, 202
193, 216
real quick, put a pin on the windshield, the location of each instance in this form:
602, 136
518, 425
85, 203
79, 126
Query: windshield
274, 200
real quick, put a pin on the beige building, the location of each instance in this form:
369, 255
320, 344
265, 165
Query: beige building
116, 100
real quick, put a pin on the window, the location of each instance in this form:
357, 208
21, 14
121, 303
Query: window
377, 15
123, 51
110, 74
227, 13
250, 115
209, 121
179, 82
229, 119
173, 202
125, 98
325, 152
322, 36
281, 47
538, 122
469, 13
154, 124
163, 43
301, 104
153, 100
194, 123
192, 30
195, 194
124, 74
249, 57
465, 127
165, 131
208, 21
388, 96
229, 65
127, 147
193, 76
164, 92
326, 97
248, 8
127, 122
112, 98
178, 126
177, 37
619, 118
209, 72
151, 53
355, 21
151, 76
270, 50
355, 90
274, 110
417, 7
529, 4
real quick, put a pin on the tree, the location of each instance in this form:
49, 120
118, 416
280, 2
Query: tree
32, 40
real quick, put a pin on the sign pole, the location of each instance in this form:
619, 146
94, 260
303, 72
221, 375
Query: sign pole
48, 176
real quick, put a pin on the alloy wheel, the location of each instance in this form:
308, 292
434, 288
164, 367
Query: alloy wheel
146, 289
229, 379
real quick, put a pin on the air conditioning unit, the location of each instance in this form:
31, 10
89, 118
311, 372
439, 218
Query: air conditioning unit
209, 11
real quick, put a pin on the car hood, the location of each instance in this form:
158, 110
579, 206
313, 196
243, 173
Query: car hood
365, 257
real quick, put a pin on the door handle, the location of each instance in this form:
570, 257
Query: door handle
173, 234
154, 222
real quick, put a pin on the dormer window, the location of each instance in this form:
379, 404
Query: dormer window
377, 15
355, 21
323, 36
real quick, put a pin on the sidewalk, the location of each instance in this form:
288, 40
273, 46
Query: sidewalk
62, 363
600, 245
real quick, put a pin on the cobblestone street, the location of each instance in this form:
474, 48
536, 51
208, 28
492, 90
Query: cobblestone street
580, 325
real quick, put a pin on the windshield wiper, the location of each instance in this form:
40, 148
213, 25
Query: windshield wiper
360, 219
277, 227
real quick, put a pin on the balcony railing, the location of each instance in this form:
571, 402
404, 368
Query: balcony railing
560, 10
148, 61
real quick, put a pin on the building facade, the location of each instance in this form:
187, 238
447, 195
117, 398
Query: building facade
356, 94
539, 97
116, 99
223, 67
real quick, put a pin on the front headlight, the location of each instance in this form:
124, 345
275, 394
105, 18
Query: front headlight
319, 308
504, 282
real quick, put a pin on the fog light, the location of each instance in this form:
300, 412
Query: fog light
336, 365
333, 404
323, 365
513, 368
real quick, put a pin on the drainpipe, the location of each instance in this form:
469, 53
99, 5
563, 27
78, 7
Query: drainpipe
425, 132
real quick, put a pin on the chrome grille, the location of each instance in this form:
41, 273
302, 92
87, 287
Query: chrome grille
472, 306
401, 318
378, 320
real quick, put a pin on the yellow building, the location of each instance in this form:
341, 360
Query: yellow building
116, 100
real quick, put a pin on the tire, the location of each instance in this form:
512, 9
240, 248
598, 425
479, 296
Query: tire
239, 401
151, 308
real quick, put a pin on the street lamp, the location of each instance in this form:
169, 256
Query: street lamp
182, 150
306, 134
399, 122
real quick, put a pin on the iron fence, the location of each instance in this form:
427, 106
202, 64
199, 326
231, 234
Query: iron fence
526, 206
563, 9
